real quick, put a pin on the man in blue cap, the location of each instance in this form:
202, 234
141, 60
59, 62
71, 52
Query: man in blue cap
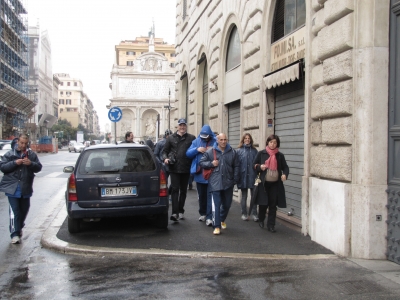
174, 155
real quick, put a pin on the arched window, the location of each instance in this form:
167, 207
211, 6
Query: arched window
289, 15
233, 53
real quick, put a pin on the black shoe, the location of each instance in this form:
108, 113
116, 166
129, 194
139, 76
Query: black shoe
261, 224
272, 229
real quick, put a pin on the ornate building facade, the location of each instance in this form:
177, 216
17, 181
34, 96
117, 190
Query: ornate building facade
142, 86
314, 72
42, 85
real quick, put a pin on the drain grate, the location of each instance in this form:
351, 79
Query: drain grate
357, 287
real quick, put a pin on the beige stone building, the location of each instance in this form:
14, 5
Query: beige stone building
74, 104
142, 86
316, 73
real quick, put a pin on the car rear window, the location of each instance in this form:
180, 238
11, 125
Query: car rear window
121, 160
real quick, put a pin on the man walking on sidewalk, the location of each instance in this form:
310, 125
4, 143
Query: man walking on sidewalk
224, 161
174, 155
19, 165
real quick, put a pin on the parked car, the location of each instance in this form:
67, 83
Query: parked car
76, 147
2, 143
4, 149
116, 181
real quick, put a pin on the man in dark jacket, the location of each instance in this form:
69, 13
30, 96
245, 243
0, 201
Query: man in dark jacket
19, 165
128, 138
222, 158
174, 155
160, 146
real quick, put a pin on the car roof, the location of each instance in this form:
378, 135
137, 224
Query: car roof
113, 146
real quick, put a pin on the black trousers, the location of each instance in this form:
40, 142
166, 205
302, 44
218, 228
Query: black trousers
272, 192
179, 183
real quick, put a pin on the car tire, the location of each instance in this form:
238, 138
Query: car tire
74, 225
69, 150
162, 220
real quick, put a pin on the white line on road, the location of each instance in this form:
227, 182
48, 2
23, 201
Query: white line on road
53, 175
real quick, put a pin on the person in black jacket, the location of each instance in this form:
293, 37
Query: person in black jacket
19, 165
274, 170
128, 138
174, 155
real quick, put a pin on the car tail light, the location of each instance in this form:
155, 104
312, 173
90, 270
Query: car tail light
163, 184
72, 188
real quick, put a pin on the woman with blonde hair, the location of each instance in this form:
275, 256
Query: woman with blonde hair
247, 152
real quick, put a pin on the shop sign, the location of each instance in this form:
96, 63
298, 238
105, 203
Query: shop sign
288, 50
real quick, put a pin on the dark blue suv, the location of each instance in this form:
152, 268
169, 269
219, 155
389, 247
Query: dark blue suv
116, 181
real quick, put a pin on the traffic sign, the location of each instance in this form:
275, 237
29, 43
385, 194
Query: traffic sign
115, 114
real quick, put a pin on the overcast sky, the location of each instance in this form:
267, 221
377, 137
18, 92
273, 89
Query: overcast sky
83, 35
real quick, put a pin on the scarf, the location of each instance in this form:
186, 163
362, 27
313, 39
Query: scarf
271, 163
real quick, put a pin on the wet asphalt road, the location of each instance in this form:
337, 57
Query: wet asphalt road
47, 275
28, 271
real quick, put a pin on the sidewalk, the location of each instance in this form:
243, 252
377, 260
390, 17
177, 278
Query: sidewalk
191, 238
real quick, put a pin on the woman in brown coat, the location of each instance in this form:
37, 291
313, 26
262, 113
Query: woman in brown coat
274, 170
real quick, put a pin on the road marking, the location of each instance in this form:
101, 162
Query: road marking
53, 175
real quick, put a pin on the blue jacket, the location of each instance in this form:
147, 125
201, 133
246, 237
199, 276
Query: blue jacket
246, 154
192, 153
14, 174
226, 175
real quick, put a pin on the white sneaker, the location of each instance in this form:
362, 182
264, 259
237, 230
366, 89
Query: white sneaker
181, 217
202, 218
15, 240
255, 218
208, 222
244, 218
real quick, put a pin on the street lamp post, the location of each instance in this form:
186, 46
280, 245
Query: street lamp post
169, 108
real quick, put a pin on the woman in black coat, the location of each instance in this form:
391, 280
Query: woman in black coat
274, 170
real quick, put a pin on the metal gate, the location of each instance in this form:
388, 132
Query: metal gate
234, 124
393, 206
289, 126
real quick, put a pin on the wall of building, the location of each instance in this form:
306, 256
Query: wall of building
345, 97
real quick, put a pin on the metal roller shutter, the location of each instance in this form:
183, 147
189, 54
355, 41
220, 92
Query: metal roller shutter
289, 126
234, 124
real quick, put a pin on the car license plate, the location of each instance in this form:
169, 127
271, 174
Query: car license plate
119, 191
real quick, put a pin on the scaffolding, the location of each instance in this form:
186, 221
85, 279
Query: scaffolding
15, 104
14, 53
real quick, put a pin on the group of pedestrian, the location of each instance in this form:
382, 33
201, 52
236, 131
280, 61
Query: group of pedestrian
184, 155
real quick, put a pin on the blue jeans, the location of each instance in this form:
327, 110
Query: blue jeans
221, 203
19, 208
243, 202
204, 195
